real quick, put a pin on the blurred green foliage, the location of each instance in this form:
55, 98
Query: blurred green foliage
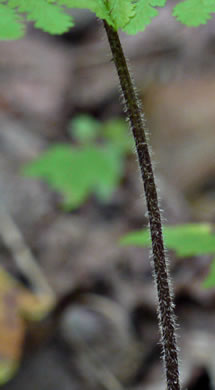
95, 165
186, 240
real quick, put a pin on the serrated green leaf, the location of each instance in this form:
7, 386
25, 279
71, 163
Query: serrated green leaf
144, 13
96, 6
10, 26
116, 12
121, 12
79, 172
194, 12
46, 16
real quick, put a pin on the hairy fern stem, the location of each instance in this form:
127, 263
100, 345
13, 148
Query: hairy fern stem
162, 280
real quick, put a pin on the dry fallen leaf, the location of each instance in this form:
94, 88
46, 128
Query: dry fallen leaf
16, 304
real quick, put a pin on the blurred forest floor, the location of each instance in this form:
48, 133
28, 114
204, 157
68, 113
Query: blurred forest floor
44, 82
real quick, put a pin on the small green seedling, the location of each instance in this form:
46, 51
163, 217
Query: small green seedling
89, 167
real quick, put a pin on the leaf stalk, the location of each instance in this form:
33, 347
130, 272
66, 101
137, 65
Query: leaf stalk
161, 274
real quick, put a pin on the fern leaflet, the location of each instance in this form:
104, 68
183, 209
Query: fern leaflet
194, 12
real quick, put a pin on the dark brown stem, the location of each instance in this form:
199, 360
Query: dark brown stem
137, 123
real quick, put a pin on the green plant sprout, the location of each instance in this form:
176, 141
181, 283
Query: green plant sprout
87, 168
114, 132
131, 16
186, 240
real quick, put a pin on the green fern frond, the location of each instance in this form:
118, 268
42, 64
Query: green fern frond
194, 12
131, 16
116, 12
